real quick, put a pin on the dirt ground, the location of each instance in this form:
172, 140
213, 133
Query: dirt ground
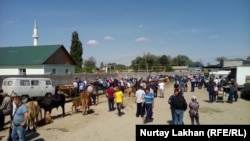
102, 125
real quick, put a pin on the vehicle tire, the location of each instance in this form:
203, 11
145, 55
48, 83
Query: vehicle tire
25, 98
48, 94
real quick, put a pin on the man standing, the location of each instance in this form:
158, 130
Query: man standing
75, 85
4, 109
12, 111
6, 104
235, 95
176, 91
162, 88
20, 118
154, 86
149, 104
110, 95
90, 89
119, 100
180, 105
231, 92
193, 111
210, 89
140, 107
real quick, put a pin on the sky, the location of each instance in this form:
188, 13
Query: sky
118, 31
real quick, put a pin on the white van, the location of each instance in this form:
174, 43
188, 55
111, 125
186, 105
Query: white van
28, 87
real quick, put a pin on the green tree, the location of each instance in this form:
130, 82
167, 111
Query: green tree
248, 58
91, 63
164, 60
181, 60
195, 64
138, 63
76, 50
220, 59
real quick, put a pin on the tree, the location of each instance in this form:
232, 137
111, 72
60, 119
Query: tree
220, 59
138, 63
248, 58
76, 50
195, 64
91, 63
181, 60
164, 60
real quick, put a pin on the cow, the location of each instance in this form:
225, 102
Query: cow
46, 120
86, 101
49, 102
76, 103
34, 112
128, 91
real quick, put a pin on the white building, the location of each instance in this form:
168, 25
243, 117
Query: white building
34, 60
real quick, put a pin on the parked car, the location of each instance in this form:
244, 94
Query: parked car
28, 88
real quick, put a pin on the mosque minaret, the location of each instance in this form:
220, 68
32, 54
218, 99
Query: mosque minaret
35, 34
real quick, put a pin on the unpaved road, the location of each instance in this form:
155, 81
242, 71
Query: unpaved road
102, 125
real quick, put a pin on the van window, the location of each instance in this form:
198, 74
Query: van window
24, 82
48, 82
8, 83
35, 82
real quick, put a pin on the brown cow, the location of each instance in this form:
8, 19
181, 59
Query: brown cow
47, 120
75, 103
86, 101
33, 114
129, 91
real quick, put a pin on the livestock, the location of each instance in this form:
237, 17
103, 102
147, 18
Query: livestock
128, 91
49, 102
76, 103
34, 111
86, 101
46, 120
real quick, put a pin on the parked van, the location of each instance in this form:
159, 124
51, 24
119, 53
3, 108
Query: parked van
28, 88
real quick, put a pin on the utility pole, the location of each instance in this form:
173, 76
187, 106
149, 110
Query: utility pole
146, 62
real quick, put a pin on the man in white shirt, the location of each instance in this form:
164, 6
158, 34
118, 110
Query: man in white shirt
161, 88
216, 81
140, 107
75, 85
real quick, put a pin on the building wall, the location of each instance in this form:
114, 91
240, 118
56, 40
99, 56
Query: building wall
14, 70
37, 69
59, 69
180, 68
232, 63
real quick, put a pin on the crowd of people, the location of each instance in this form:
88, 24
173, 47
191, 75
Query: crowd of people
145, 94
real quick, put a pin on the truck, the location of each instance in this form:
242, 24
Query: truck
238, 73
245, 92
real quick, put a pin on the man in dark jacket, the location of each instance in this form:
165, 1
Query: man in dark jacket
210, 89
179, 105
